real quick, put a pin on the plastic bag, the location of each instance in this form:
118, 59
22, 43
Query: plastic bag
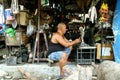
30, 29
2, 29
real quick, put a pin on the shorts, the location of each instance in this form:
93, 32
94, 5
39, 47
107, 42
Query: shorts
56, 56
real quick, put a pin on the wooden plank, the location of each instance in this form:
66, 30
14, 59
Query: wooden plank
26, 74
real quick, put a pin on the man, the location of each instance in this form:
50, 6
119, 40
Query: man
60, 47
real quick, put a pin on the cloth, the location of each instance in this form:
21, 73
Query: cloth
53, 47
56, 56
92, 14
2, 16
15, 6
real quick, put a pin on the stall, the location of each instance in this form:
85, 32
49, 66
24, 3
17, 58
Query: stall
36, 20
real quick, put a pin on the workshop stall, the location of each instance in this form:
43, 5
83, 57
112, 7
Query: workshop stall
26, 27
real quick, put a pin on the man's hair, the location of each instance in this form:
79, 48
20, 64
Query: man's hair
60, 25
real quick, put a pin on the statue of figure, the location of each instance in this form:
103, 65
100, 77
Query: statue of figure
82, 33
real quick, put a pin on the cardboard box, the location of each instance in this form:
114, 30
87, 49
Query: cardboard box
107, 51
22, 18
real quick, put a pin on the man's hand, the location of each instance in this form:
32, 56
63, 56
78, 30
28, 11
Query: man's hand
78, 40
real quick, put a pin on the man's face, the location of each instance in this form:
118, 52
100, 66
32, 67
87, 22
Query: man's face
64, 29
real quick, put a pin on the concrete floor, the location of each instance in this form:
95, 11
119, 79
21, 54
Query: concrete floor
40, 70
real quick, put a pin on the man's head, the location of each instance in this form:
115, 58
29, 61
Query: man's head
62, 27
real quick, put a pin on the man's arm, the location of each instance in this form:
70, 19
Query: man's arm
63, 41
66, 39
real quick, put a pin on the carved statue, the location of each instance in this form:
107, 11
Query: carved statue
82, 33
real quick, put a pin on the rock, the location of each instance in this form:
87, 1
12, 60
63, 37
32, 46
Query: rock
85, 72
108, 70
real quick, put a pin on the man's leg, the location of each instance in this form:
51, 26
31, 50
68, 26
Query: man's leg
63, 60
62, 63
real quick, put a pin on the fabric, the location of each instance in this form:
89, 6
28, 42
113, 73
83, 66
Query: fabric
56, 56
15, 6
92, 14
2, 16
53, 47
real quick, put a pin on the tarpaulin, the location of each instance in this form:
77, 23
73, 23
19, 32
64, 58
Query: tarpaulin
116, 32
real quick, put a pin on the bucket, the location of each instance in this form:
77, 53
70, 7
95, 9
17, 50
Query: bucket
9, 14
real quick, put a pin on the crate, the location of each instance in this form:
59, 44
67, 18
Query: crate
86, 55
15, 40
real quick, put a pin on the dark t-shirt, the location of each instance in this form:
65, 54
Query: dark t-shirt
53, 47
